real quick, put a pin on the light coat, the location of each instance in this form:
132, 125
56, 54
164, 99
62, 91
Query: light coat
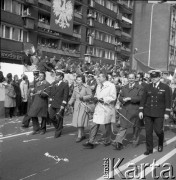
10, 96
80, 115
105, 114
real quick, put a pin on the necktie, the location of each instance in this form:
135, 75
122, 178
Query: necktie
154, 85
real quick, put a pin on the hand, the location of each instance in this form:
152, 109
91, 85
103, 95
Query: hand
101, 100
31, 94
95, 100
81, 98
126, 99
141, 115
166, 116
62, 107
39, 92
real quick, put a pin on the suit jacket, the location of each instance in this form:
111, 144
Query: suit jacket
59, 94
130, 109
156, 101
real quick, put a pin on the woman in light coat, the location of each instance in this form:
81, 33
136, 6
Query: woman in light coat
81, 94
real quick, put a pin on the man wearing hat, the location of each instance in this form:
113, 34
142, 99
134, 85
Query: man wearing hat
59, 93
155, 107
92, 82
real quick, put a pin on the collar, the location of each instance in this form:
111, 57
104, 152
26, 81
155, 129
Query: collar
157, 84
131, 85
59, 82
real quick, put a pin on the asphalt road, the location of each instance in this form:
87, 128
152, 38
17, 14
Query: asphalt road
42, 157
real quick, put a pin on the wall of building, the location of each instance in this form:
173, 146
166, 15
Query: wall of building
159, 34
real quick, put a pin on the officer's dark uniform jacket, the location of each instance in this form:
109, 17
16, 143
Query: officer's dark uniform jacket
59, 94
156, 101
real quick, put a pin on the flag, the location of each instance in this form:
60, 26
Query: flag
141, 67
62, 12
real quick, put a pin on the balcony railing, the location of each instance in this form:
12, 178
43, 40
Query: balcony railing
126, 35
43, 25
78, 15
45, 2
126, 20
58, 51
77, 35
28, 22
118, 32
30, 1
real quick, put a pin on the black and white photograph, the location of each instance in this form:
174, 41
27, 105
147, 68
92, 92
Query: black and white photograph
88, 90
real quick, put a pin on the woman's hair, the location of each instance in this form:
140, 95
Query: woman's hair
15, 76
9, 77
82, 77
2, 79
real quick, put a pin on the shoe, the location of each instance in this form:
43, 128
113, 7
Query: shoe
35, 132
57, 134
119, 146
148, 152
88, 145
23, 126
106, 143
42, 132
160, 148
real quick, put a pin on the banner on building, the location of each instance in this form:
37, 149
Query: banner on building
62, 12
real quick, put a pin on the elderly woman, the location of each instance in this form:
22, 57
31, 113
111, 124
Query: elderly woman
81, 94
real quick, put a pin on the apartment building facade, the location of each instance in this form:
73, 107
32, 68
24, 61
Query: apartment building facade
100, 30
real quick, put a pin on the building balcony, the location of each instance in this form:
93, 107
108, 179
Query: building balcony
118, 32
32, 2
11, 18
90, 40
91, 16
92, 3
125, 51
77, 35
119, 16
125, 24
125, 37
125, 19
78, 15
59, 51
45, 2
28, 22
126, 34
11, 45
117, 48
125, 9
91, 23
43, 25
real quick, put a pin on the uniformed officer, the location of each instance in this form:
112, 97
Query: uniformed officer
155, 106
59, 93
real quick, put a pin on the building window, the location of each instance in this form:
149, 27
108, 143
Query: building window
7, 33
16, 7
17, 34
2, 5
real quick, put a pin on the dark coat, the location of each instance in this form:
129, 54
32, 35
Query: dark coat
156, 101
42, 66
59, 94
39, 107
130, 109
17, 89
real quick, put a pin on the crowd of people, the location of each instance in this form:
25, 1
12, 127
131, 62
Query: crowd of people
105, 93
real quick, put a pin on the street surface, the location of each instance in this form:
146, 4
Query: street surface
42, 157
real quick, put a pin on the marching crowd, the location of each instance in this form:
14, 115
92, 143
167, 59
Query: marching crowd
105, 93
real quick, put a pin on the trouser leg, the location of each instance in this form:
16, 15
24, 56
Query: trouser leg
43, 124
149, 133
107, 132
35, 123
121, 135
158, 128
7, 112
136, 134
26, 120
93, 132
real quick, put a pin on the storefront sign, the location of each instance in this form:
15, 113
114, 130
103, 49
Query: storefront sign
11, 55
